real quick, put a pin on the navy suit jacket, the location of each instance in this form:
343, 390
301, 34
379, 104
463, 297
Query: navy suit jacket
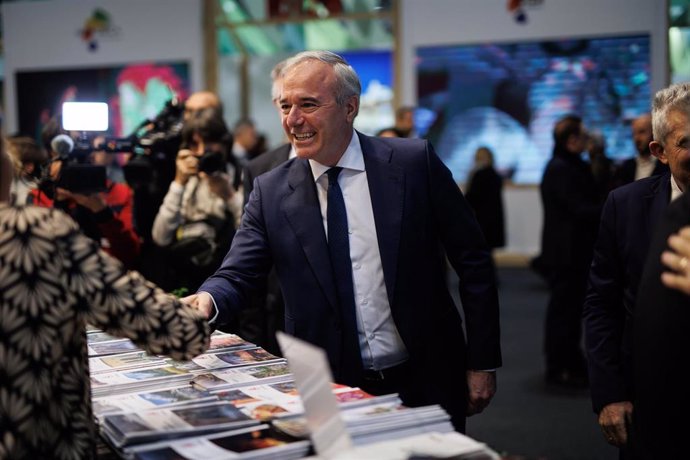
261, 164
420, 217
627, 224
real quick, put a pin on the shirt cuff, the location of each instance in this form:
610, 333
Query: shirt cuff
215, 307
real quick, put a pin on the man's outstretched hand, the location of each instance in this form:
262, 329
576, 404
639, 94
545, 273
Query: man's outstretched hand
202, 302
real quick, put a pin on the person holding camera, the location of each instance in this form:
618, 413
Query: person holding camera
105, 215
195, 223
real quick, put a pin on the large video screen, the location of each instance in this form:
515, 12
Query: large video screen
508, 97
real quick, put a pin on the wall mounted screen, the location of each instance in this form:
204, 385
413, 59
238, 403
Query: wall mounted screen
133, 93
508, 97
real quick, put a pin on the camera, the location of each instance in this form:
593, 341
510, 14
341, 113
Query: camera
76, 174
211, 162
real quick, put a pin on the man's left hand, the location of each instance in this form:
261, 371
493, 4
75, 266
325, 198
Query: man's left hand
481, 386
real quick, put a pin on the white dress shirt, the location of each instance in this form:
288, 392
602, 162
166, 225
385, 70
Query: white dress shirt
644, 166
675, 190
379, 339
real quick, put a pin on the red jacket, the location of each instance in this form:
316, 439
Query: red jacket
114, 223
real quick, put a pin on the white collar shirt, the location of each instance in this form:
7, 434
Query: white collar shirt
379, 339
644, 166
675, 189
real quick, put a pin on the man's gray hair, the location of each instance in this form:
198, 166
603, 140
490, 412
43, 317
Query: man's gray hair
347, 81
675, 97
275, 79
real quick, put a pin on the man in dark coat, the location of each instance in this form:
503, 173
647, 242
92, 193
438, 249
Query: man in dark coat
571, 212
485, 196
627, 223
387, 321
661, 317
644, 164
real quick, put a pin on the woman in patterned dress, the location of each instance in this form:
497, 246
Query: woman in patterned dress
53, 281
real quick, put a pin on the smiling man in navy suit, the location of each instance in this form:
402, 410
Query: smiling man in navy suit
358, 229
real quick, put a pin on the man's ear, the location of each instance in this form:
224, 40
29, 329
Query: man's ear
352, 106
658, 151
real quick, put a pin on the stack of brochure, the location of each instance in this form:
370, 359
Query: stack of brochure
213, 406
377, 418
173, 422
252, 443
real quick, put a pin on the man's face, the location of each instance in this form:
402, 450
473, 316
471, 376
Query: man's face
198, 102
642, 134
246, 137
676, 149
577, 143
314, 123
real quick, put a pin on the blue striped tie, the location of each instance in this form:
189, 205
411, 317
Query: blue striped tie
339, 248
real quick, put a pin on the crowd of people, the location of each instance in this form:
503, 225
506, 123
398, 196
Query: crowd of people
344, 240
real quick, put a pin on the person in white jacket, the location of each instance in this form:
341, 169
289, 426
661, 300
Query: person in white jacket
195, 222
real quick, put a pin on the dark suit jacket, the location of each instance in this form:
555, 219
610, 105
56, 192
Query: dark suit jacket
661, 342
419, 211
627, 223
261, 164
625, 172
571, 212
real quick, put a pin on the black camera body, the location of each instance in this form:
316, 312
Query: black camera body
211, 162
82, 178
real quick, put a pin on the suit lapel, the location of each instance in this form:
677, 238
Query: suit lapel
301, 208
658, 199
386, 187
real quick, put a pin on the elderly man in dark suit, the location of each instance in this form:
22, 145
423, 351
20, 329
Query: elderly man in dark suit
358, 229
660, 338
628, 220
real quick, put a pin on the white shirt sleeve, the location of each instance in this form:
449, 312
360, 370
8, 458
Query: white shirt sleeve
169, 216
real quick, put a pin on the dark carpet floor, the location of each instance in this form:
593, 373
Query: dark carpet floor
527, 418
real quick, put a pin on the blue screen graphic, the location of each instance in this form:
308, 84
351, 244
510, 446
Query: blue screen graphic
509, 96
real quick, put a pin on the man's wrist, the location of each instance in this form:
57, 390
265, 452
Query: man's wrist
214, 316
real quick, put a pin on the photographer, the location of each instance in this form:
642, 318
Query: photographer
104, 216
195, 224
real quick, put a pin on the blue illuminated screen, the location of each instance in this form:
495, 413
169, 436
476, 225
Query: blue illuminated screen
508, 97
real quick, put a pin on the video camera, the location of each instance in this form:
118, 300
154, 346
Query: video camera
76, 174
154, 143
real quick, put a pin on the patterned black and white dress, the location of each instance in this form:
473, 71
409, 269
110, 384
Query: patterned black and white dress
54, 280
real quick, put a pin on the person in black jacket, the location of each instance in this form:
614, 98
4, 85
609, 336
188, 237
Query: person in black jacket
660, 324
571, 213
484, 194
644, 164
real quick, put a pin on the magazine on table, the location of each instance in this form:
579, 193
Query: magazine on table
151, 399
249, 375
111, 347
122, 361
226, 341
97, 336
175, 422
235, 358
137, 380
255, 442
351, 412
